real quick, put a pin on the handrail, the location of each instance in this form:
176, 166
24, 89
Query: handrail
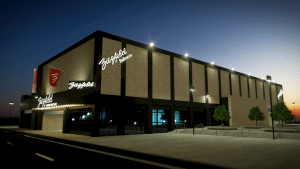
180, 125
243, 128
197, 126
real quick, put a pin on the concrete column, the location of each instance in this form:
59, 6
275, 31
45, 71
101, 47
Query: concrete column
33, 119
148, 120
95, 121
190, 121
66, 121
171, 122
40, 115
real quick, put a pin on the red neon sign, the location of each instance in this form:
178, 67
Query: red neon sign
34, 81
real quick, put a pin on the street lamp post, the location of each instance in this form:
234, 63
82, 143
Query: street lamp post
10, 103
270, 82
294, 111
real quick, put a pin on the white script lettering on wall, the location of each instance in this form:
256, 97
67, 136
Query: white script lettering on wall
45, 100
114, 59
280, 93
81, 85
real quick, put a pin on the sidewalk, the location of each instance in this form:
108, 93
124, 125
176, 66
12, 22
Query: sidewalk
223, 151
291, 131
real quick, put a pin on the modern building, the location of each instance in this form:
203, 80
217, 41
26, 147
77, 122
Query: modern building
108, 85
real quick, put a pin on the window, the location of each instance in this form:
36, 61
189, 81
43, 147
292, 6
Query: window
179, 117
158, 117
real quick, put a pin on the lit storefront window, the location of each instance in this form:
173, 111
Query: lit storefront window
179, 117
158, 117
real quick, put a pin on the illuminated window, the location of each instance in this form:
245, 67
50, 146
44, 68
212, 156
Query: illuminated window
158, 117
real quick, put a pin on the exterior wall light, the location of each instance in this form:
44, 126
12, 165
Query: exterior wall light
175, 120
186, 55
134, 123
151, 44
36, 97
212, 63
207, 94
192, 88
88, 114
185, 121
83, 116
73, 119
110, 120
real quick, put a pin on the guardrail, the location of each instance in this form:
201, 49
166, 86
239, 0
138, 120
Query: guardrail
197, 126
180, 125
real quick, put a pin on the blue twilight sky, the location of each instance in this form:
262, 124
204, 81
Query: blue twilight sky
257, 37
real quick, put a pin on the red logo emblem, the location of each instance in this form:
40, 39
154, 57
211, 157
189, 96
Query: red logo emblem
54, 77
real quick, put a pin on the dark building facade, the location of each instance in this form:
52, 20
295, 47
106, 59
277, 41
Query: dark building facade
108, 85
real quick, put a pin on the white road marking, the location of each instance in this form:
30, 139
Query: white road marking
41, 155
10, 143
116, 155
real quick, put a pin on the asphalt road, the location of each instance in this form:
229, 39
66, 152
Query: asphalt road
26, 149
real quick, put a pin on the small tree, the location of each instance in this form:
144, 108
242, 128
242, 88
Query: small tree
256, 114
281, 112
221, 113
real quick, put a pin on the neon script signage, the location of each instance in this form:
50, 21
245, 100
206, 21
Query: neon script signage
81, 85
45, 100
280, 93
114, 59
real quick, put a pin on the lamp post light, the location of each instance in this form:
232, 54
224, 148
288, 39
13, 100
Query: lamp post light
11, 104
294, 111
270, 82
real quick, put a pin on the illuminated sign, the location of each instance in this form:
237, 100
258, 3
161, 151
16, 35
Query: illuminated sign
114, 59
81, 85
43, 101
52, 104
34, 81
280, 93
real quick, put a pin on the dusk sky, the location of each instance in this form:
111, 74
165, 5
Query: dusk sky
257, 37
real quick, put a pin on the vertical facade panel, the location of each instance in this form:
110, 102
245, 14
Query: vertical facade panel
235, 85
274, 95
181, 80
259, 85
161, 76
244, 86
213, 85
76, 65
252, 88
198, 82
137, 72
225, 83
111, 75
267, 93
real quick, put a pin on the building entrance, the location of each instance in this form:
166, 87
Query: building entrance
107, 123
200, 117
81, 121
134, 123
159, 120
